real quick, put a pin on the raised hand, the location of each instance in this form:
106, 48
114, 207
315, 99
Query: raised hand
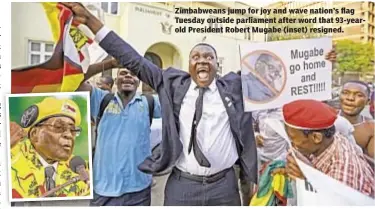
16, 133
331, 56
259, 141
83, 16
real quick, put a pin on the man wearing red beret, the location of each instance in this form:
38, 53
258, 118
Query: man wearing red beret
310, 128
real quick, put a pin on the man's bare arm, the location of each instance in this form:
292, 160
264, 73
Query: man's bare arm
95, 69
114, 45
370, 144
100, 67
370, 147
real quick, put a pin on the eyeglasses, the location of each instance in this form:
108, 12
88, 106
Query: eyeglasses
74, 130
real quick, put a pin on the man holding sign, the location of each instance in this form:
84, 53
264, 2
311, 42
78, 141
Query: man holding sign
310, 127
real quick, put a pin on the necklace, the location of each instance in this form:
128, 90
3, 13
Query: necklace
363, 120
356, 124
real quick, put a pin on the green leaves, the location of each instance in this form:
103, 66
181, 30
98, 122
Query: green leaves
354, 56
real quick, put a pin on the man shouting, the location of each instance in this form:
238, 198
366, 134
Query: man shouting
205, 128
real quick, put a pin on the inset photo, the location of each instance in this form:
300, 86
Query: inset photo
49, 139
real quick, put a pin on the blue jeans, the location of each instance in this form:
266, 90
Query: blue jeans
141, 198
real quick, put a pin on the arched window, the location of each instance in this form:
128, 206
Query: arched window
154, 58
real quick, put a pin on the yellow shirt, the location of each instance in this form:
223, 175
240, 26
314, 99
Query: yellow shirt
28, 180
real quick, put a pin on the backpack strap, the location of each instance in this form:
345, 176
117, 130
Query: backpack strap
103, 104
150, 101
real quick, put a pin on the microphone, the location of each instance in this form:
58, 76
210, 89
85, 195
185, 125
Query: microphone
51, 193
78, 165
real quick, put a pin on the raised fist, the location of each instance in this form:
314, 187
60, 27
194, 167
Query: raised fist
16, 133
331, 56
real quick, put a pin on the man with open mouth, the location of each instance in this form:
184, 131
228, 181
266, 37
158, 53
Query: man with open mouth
123, 139
205, 128
354, 97
41, 150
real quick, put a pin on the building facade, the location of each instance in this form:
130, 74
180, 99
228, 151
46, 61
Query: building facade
148, 27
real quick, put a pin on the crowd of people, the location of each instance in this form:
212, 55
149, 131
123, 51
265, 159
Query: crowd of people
206, 132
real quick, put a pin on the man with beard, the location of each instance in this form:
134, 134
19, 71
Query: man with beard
41, 150
205, 129
354, 96
123, 142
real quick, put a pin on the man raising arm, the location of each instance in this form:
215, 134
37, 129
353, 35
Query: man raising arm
122, 137
205, 128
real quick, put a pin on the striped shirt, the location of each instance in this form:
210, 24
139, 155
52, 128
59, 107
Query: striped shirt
343, 162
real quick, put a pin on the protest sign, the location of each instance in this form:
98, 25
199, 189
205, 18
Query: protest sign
327, 191
275, 73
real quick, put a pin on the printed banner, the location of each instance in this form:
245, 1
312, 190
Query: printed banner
275, 73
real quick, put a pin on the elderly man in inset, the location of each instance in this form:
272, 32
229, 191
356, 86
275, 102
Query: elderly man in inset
42, 149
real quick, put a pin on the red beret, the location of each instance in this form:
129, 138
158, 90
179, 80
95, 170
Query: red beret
309, 115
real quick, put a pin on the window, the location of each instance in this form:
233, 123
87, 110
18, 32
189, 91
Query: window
110, 7
214, 25
39, 52
249, 36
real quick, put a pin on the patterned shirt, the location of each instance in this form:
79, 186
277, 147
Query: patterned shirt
343, 162
28, 180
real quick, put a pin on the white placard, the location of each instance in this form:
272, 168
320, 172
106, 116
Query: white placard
275, 73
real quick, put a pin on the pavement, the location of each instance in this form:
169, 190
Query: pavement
157, 190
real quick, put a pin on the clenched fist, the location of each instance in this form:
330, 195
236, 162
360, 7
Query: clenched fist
83, 16
331, 55
292, 168
259, 141
16, 133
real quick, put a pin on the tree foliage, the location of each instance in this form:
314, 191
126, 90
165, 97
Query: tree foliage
354, 56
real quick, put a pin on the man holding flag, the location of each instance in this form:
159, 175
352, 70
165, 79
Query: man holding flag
66, 69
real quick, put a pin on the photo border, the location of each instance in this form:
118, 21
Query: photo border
87, 96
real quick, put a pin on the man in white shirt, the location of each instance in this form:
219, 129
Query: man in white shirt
205, 129
273, 146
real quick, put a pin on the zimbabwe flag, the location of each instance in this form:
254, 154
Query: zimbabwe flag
64, 71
